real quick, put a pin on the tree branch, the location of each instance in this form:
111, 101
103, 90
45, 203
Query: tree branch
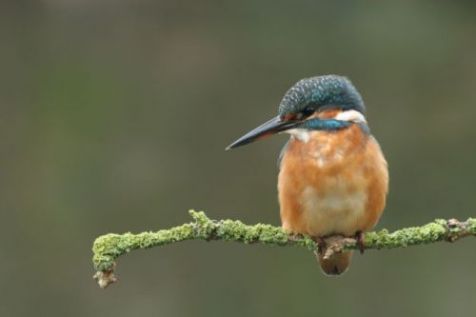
109, 247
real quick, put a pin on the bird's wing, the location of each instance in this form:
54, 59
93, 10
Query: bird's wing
281, 154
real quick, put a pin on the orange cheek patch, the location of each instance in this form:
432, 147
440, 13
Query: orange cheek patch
327, 114
289, 117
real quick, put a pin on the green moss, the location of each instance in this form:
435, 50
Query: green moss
472, 225
431, 232
109, 247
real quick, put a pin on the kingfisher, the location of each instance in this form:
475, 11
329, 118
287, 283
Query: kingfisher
333, 176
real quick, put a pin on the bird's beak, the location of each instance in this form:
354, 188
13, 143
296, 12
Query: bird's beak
269, 128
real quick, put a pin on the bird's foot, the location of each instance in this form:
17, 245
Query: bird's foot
321, 245
359, 238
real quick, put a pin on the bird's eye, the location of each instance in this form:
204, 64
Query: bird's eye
307, 112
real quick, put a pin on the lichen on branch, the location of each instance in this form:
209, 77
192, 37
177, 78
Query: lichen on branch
109, 247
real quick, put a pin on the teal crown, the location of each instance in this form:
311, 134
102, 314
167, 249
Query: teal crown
316, 93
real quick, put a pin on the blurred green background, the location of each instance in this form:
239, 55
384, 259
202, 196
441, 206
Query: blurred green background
114, 116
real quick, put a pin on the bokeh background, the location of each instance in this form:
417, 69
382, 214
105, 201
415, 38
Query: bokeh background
114, 116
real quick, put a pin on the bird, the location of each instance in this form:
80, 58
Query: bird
333, 177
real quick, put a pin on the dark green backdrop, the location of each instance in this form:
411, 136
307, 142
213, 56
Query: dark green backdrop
114, 116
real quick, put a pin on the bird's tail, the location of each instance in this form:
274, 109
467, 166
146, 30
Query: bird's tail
336, 264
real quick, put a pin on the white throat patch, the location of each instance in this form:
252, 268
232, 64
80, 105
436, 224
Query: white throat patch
300, 134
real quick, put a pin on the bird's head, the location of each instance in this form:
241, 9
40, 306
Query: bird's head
306, 98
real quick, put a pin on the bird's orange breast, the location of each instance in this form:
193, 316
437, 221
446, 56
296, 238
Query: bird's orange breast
335, 182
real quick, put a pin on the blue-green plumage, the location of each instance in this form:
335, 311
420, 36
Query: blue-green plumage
323, 124
305, 98
311, 94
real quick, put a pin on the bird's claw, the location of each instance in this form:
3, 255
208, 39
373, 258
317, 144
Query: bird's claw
321, 244
359, 238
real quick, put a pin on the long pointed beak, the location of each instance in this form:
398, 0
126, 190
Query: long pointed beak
269, 128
